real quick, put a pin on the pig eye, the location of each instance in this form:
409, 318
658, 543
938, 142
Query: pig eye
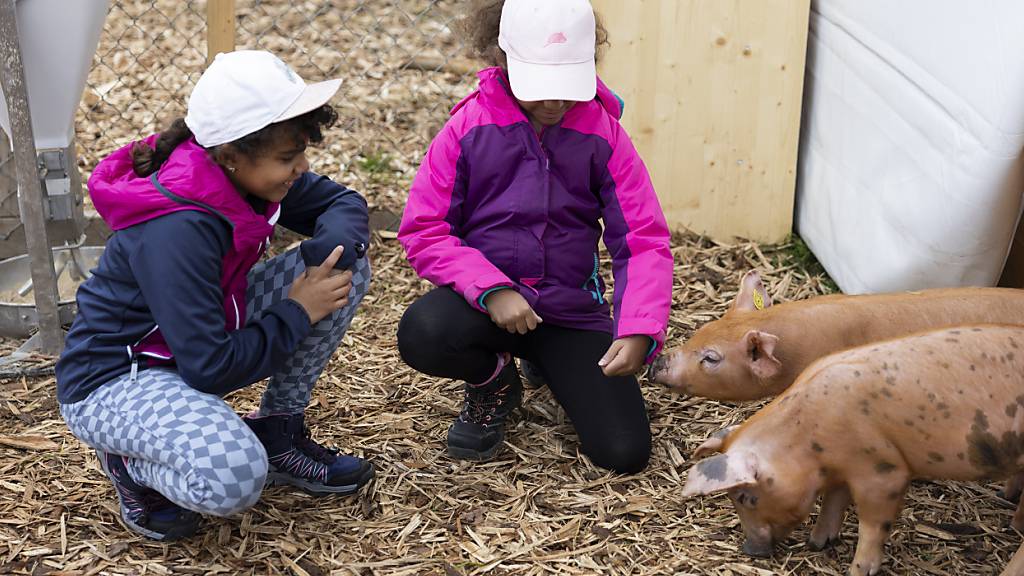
710, 358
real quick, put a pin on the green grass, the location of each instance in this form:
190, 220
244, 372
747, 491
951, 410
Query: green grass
800, 254
376, 163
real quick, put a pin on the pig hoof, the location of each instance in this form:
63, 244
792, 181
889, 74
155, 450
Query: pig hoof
818, 544
1011, 497
858, 569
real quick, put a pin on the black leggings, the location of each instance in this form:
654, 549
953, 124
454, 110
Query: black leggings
442, 335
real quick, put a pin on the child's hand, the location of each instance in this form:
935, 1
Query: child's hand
625, 356
321, 290
511, 311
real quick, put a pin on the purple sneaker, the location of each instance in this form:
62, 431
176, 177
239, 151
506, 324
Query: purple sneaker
144, 510
297, 460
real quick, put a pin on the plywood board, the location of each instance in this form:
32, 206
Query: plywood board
713, 92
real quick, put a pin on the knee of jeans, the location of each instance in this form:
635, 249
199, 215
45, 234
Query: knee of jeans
622, 454
233, 483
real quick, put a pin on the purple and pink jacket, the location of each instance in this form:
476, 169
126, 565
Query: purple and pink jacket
496, 206
170, 288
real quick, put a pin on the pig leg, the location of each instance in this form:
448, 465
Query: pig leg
1018, 517
830, 519
1014, 487
878, 505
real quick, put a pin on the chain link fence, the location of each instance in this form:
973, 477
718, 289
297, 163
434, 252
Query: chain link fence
401, 63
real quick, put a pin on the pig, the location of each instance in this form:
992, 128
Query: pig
861, 424
756, 349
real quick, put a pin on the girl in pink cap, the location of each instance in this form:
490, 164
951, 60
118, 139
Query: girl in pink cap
181, 310
504, 217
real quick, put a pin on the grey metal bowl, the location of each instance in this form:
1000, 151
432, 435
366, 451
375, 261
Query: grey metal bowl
20, 320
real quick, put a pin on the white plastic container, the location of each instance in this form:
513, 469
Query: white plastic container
910, 165
58, 39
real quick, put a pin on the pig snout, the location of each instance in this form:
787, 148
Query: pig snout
665, 370
757, 548
658, 368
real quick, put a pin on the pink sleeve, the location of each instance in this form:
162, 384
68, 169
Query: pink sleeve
639, 241
432, 215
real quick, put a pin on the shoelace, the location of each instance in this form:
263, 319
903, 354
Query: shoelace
300, 465
311, 448
481, 406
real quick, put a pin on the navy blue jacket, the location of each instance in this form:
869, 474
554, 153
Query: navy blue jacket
167, 272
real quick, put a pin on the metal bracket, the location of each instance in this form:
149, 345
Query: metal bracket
56, 181
28, 349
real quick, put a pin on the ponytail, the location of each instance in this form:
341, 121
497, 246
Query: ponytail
146, 160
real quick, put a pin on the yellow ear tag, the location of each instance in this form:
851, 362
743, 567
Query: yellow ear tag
758, 301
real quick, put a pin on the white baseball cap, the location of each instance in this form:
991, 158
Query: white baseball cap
549, 45
247, 90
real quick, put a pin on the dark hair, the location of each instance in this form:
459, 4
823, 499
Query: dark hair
481, 22
309, 126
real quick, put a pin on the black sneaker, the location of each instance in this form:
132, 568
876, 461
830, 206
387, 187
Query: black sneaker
144, 510
478, 432
297, 460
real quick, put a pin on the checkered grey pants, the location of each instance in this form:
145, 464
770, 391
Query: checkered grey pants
190, 446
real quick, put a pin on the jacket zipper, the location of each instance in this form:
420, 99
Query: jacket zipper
238, 323
595, 278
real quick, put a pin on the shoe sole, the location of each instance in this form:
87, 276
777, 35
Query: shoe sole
473, 455
317, 489
171, 536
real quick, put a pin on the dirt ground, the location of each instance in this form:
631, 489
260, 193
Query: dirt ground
540, 508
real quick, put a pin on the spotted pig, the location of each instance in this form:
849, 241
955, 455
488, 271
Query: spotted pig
861, 424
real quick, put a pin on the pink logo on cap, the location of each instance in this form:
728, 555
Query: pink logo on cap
557, 38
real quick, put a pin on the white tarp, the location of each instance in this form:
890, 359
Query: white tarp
910, 163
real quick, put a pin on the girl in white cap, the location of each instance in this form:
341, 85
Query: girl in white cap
505, 216
180, 311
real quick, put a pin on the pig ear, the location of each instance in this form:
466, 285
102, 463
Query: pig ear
721, 473
714, 444
752, 295
760, 347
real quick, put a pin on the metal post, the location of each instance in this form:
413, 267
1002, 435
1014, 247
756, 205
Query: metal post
10, 218
30, 197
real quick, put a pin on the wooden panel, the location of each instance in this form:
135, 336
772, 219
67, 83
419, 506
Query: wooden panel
220, 27
713, 92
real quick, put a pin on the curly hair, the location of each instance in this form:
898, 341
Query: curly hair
307, 127
479, 26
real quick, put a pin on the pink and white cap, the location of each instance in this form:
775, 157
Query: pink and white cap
549, 45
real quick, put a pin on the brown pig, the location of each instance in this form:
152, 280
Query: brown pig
861, 424
756, 349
